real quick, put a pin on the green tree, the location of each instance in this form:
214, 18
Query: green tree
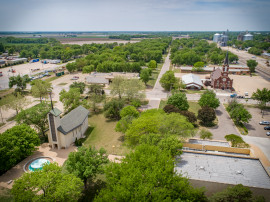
79, 85
71, 67
179, 100
97, 95
2, 48
86, 163
207, 115
129, 111
41, 89
133, 89
157, 121
240, 115
88, 69
262, 96
235, 193
112, 109
19, 81
198, 67
144, 75
36, 115
48, 184
16, 143
252, 65
140, 177
117, 87
208, 98
206, 134
11, 51
168, 80
152, 64
71, 98
16, 102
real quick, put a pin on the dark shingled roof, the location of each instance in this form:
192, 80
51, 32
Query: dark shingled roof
55, 112
73, 119
216, 74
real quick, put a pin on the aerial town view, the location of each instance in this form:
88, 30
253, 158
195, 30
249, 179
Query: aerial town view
135, 100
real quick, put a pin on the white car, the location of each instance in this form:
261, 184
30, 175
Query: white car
264, 123
268, 133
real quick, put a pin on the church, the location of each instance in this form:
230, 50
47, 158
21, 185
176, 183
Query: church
64, 131
220, 78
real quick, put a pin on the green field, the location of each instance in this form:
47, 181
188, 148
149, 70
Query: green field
104, 135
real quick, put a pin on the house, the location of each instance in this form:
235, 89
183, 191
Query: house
220, 78
192, 81
64, 131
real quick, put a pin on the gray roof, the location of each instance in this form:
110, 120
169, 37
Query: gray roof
209, 142
55, 112
73, 119
191, 78
97, 80
223, 169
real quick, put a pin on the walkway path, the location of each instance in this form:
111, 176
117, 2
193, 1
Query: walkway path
157, 93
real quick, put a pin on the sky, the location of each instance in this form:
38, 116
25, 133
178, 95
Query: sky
134, 15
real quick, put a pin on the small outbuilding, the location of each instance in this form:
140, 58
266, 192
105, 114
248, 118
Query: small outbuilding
192, 81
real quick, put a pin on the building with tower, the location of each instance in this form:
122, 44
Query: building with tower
64, 131
220, 77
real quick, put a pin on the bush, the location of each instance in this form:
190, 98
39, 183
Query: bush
170, 108
112, 109
207, 115
129, 111
136, 103
206, 134
190, 116
236, 141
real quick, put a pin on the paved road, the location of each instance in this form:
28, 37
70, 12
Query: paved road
225, 125
157, 93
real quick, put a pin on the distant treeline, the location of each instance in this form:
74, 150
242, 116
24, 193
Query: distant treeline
29, 40
122, 58
128, 37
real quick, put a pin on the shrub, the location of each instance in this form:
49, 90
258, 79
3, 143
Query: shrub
129, 111
170, 108
207, 115
179, 100
190, 116
112, 109
206, 134
236, 141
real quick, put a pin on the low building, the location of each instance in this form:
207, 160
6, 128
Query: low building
64, 131
96, 80
192, 81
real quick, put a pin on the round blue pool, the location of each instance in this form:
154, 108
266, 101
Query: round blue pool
38, 164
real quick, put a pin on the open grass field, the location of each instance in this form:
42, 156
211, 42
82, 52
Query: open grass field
104, 135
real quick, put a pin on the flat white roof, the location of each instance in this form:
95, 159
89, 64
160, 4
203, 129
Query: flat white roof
223, 169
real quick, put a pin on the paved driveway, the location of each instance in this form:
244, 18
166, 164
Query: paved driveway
225, 125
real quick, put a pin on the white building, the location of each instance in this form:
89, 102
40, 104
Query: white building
64, 131
192, 81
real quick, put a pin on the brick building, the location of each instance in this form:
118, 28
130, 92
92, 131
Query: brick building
220, 78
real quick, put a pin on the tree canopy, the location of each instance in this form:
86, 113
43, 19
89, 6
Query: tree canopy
168, 80
40, 89
48, 184
179, 100
252, 65
140, 178
86, 163
208, 98
16, 144
19, 81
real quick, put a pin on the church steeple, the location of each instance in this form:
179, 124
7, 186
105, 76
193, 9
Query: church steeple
226, 62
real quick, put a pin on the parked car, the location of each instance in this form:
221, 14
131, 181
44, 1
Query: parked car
75, 78
233, 95
267, 128
240, 96
264, 123
1, 74
268, 133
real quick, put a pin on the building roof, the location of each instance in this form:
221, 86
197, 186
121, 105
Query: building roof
73, 119
96, 80
192, 78
223, 169
233, 68
216, 74
209, 142
55, 112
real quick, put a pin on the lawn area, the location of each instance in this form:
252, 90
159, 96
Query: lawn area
154, 76
52, 78
5, 195
104, 135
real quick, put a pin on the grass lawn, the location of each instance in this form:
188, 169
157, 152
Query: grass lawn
62, 84
6, 92
104, 135
52, 78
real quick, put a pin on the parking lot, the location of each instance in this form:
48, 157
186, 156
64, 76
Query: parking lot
254, 128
